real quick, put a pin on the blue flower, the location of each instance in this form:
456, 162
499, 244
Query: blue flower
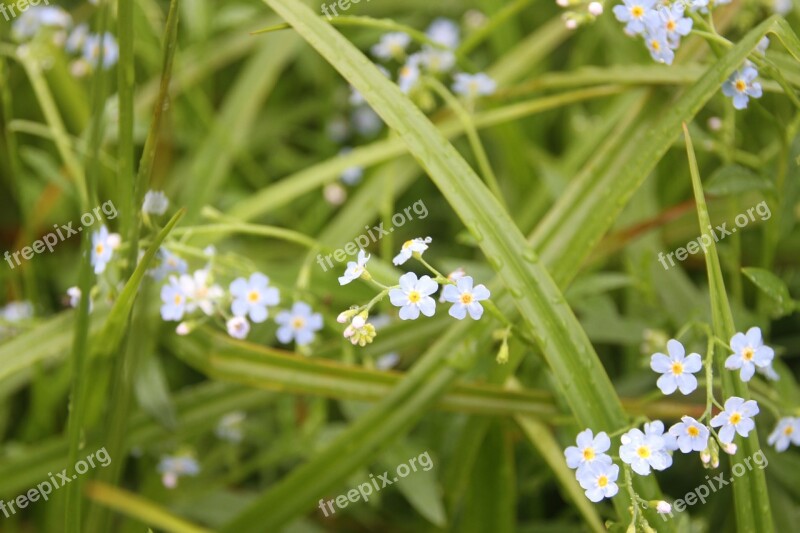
413, 296
169, 263
589, 449
103, 244
786, 432
91, 50
690, 435
465, 298
657, 43
736, 418
174, 299
473, 85
599, 480
677, 370
298, 324
750, 353
633, 12
672, 21
643, 451
355, 268
391, 45
741, 87
174, 466
252, 297
444, 31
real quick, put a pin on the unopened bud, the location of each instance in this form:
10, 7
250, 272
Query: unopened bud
596, 9
663, 507
183, 328
730, 448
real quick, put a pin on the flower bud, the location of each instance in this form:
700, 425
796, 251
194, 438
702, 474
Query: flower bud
596, 9
183, 328
730, 449
663, 507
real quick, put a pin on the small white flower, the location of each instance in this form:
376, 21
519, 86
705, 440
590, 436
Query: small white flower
413, 296
355, 269
643, 451
786, 432
473, 85
77, 38
690, 435
598, 480
199, 293
465, 298
91, 50
736, 418
229, 427
391, 45
74, 294
155, 203
298, 324
252, 297
238, 327
411, 247
183, 329
445, 32
663, 507
437, 61
408, 75
596, 9
172, 467
750, 352
103, 248
677, 369
17, 311
589, 449
31, 20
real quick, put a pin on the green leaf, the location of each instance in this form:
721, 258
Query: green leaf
735, 179
772, 286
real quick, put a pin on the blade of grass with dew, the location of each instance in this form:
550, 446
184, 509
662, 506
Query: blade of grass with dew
750, 496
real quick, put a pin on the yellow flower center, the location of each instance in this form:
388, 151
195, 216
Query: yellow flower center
693, 431
99, 249
602, 481
748, 353
178, 299
201, 292
298, 322
637, 11
735, 418
655, 44
788, 431
466, 298
253, 296
588, 454
643, 452
740, 86
677, 368
407, 244
671, 25
414, 297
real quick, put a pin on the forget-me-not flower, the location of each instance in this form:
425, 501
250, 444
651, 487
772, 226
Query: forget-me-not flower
465, 298
589, 449
413, 296
736, 418
750, 352
409, 248
599, 480
690, 435
355, 268
677, 369
741, 86
786, 432
251, 297
643, 452
473, 85
633, 13
392, 45
299, 324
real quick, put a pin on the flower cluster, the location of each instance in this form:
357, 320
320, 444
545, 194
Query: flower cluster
661, 26
77, 41
652, 447
412, 294
434, 59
